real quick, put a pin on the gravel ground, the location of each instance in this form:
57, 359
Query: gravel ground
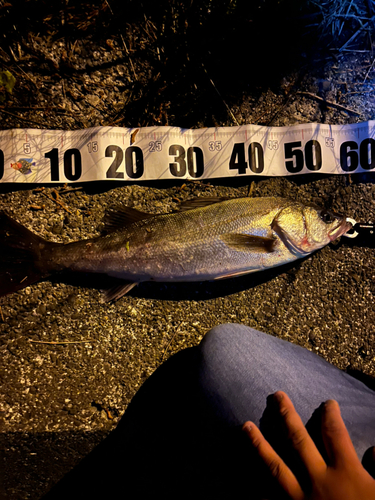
71, 364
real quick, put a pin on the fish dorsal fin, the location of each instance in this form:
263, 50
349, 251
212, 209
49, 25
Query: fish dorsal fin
200, 202
249, 242
121, 216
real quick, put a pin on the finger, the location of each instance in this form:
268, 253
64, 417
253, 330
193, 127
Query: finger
298, 435
339, 446
279, 470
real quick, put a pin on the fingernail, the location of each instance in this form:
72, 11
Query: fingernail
247, 426
329, 403
278, 396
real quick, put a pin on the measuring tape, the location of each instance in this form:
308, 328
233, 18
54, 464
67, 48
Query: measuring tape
152, 153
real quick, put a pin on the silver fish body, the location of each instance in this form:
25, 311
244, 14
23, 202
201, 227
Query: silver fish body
228, 238
211, 241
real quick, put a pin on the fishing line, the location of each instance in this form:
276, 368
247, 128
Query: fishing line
153, 153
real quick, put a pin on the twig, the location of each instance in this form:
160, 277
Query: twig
26, 75
218, 93
329, 103
370, 68
22, 119
56, 200
70, 189
347, 13
251, 189
369, 91
354, 36
225, 104
34, 108
124, 43
351, 16
110, 9
365, 51
371, 11
63, 89
169, 343
37, 207
66, 342
130, 59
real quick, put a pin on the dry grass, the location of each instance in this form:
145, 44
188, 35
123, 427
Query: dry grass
347, 25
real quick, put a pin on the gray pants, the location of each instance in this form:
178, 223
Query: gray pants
181, 435
240, 367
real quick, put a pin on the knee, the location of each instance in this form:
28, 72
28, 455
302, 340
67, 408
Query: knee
229, 334
230, 362
227, 343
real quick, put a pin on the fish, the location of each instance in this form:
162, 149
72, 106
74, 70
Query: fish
206, 239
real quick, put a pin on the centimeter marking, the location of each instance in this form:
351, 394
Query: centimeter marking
152, 153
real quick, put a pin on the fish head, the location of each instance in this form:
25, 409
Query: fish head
306, 228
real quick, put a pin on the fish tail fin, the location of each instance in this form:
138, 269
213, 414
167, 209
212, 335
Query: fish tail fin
22, 255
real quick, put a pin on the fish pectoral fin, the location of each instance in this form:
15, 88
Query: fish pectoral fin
234, 274
249, 242
117, 291
205, 201
120, 216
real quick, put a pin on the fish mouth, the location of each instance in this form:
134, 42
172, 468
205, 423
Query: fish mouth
343, 227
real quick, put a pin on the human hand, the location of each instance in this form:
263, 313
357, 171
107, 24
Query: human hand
341, 478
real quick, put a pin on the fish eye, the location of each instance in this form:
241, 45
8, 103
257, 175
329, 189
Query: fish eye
327, 216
